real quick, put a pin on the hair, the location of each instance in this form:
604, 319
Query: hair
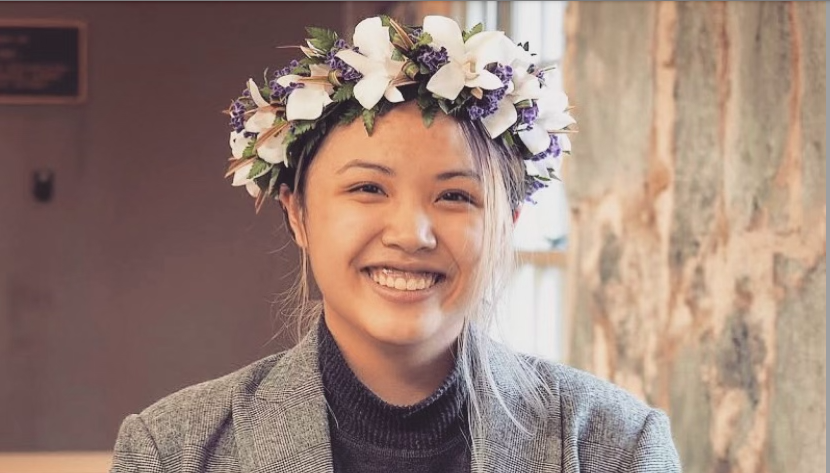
502, 171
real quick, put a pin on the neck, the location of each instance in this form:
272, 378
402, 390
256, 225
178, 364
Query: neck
399, 375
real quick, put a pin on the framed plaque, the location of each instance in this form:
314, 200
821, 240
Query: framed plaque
43, 61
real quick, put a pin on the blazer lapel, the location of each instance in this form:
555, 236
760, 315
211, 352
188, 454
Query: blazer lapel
281, 423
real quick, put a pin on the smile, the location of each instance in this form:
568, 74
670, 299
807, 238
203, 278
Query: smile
403, 280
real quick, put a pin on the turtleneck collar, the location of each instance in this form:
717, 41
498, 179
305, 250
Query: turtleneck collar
363, 416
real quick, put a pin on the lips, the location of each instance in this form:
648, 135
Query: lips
403, 280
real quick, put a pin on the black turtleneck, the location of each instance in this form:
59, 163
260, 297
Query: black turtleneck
369, 435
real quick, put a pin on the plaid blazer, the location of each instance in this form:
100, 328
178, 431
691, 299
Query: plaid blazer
271, 417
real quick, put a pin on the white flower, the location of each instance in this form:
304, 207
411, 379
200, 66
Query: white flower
238, 143
375, 62
240, 176
307, 101
265, 114
553, 116
466, 60
253, 189
523, 86
271, 150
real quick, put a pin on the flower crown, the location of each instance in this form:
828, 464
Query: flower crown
474, 75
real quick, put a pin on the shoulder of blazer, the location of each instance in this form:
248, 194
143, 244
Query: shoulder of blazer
594, 410
198, 415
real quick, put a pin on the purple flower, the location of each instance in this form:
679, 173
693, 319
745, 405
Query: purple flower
286, 70
531, 186
475, 112
237, 116
416, 33
347, 72
433, 59
528, 115
279, 92
539, 73
489, 101
554, 150
505, 73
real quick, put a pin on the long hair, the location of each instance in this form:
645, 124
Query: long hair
502, 172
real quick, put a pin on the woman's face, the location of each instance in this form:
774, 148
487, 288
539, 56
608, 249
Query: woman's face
393, 226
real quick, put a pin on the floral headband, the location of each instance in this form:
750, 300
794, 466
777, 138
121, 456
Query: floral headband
473, 75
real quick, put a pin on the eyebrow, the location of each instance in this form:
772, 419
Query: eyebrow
357, 163
466, 173
444, 176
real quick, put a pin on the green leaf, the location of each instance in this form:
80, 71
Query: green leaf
473, 31
424, 40
369, 120
444, 105
507, 137
272, 183
425, 101
302, 126
350, 114
383, 107
301, 70
311, 144
321, 38
259, 168
249, 150
527, 103
428, 115
410, 69
397, 55
344, 92
289, 140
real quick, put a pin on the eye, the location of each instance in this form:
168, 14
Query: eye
457, 196
366, 188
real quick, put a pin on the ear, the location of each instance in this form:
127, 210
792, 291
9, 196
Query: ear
516, 212
293, 212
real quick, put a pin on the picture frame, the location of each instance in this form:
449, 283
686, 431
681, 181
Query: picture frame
43, 61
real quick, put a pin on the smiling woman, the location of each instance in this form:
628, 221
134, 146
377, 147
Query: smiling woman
404, 219
411, 223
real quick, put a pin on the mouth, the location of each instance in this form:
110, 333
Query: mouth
404, 280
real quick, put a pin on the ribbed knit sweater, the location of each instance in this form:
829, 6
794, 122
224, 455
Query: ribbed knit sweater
369, 435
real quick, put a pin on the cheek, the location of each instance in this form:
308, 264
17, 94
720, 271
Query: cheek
464, 238
337, 229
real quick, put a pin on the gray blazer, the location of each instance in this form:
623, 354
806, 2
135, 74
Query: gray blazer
271, 417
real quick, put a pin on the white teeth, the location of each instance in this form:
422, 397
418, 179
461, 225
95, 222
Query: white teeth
401, 280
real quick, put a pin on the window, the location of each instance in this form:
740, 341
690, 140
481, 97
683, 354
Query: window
534, 319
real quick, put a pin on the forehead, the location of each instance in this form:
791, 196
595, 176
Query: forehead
399, 139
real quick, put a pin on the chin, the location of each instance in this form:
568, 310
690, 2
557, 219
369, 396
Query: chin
404, 329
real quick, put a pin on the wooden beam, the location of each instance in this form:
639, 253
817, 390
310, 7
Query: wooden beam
55, 462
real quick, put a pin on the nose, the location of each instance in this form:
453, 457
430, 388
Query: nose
409, 229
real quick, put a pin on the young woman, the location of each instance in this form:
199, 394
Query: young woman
401, 163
